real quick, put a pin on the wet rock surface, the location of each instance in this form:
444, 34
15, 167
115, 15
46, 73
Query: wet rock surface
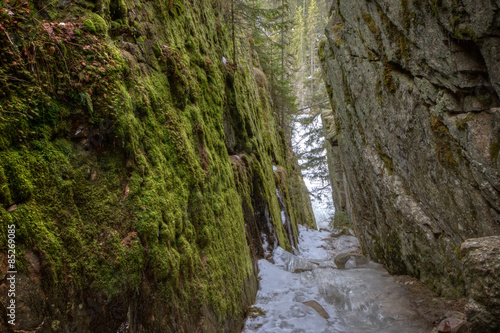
451, 325
350, 260
481, 259
431, 306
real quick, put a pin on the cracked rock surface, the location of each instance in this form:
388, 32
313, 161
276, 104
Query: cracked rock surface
414, 134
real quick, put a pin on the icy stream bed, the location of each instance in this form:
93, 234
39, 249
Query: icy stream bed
354, 300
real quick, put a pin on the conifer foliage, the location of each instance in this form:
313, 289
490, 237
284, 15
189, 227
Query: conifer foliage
309, 21
284, 35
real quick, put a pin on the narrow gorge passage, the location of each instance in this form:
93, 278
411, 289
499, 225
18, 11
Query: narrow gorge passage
309, 293
149, 177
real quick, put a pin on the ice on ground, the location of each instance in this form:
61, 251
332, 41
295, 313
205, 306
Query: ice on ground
292, 263
357, 300
311, 244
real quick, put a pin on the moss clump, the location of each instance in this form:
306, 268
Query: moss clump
494, 150
254, 312
341, 221
443, 144
462, 123
387, 77
404, 47
336, 32
406, 15
5, 197
371, 25
397, 37
321, 50
465, 33
89, 25
95, 24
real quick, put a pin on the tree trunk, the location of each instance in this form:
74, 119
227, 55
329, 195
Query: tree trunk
232, 24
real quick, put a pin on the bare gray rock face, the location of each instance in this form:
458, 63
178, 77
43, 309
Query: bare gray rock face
481, 259
415, 132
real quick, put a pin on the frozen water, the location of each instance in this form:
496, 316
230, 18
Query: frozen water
284, 216
265, 245
358, 300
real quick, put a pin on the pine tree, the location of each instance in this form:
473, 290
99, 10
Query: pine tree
299, 51
312, 34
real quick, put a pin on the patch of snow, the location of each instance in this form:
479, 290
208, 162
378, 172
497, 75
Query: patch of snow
265, 245
310, 244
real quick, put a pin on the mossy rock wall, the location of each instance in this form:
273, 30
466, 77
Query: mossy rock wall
137, 167
414, 135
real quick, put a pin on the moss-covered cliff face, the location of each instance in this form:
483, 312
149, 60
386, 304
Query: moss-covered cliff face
416, 129
137, 167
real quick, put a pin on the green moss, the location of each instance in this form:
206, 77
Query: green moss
321, 49
5, 198
88, 24
94, 23
396, 36
443, 144
101, 26
404, 47
118, 9
338, 9
462, 123
341, 221
494, 150
466, 33
406, 15
114, 153
387, 77
371, 25
336, 32
436, 5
